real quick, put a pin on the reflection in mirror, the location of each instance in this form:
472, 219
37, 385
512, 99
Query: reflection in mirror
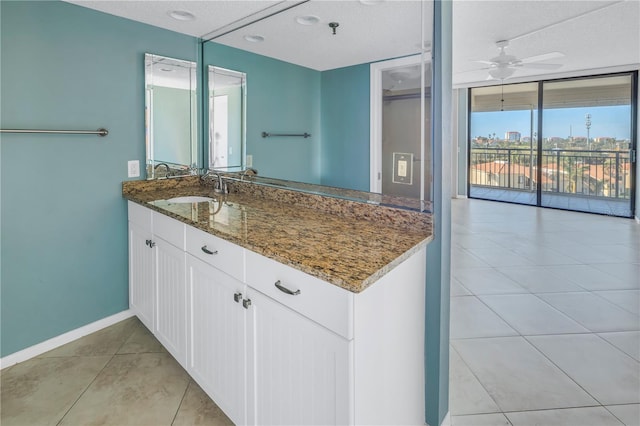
306, 79
227, 112
402, 169
170, 116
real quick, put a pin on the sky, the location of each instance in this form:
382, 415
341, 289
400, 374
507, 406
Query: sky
608, 121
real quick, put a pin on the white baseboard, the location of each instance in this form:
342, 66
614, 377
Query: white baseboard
459, 196
447, 419
62, 339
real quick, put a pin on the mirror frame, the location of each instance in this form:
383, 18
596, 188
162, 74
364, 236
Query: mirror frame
173, 168
211, 71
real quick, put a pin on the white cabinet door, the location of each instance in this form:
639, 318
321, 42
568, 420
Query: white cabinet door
141, 275
171, 319
216, 352
298, 370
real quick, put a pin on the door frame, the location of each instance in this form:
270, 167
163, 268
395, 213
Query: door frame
375, 118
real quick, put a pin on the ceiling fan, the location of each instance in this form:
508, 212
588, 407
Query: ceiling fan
504, 65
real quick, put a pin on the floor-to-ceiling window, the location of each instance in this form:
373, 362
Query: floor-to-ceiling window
503, 138
565, 144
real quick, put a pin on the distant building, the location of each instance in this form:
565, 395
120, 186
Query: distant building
604, 139
512, 136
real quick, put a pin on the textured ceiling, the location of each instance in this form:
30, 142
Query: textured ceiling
594, 36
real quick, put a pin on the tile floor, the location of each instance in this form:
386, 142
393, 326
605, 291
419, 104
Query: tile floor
544, 331
120, 375
545, 326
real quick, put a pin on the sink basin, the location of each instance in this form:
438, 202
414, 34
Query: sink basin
189, 199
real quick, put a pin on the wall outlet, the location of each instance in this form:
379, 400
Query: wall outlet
133, 167
249, 160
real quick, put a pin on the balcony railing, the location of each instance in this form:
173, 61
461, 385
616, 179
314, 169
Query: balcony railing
605, 174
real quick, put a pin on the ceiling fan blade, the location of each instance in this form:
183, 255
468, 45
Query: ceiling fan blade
484, 62
543, 57
541, 66
472, 71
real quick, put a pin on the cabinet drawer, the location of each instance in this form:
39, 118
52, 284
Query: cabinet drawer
217, 252
140, 215
169, 229
322, 302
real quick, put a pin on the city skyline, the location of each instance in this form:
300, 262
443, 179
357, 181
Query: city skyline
606, 121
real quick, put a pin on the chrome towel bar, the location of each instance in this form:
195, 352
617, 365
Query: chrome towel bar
99, 132
303, 135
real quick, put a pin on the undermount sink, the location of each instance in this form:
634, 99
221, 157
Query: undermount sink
189, 199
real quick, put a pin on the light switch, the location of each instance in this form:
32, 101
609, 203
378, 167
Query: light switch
249, 160
133, 167
403, 168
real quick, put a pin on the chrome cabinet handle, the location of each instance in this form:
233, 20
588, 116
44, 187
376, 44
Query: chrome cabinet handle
150, 243
237, 297
246, 303
283, 289
206, 250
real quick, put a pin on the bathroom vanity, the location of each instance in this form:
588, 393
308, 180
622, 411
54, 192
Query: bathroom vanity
285, 307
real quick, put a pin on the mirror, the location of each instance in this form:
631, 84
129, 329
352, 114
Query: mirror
227, 117
310, 89
171, 133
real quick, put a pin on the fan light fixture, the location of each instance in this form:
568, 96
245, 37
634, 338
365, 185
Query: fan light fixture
254, 38
181, 15
501, 72
307, 20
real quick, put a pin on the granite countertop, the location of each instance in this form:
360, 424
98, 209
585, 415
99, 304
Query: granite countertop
348, 244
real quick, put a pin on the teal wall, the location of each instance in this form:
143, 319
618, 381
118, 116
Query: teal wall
345, 127
64, 222
172, 123
438, 276
281, 98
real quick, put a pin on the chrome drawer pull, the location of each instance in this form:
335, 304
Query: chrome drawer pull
246, 303
237, 297
286, 290
206, 250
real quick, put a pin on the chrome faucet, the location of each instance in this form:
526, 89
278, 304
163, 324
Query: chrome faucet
250, 171
168, 172
220, 186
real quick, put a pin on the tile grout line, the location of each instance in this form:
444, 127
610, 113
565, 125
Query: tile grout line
85, 389
564, 372
96, 376
479, 382
184, 395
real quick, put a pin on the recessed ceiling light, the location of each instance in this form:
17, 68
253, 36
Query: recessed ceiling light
371, 2
254, 38
307, 20
181, 15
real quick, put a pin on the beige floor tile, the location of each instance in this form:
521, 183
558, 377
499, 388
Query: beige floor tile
104, 342
141, 341
471, 318
496, 419
627, 341
608, 374
133, 389
41, 390
466, 394
529, 315
586, 416
629, 414
197, 409
517, 376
